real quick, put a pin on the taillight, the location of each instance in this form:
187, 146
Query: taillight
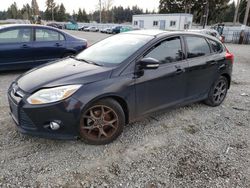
229, 56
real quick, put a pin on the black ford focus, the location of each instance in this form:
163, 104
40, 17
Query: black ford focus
94, 94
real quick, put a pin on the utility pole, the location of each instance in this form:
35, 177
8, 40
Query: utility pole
52, 11
185, 4
236, 12
205, 16
207, 12
247, 13
100, 2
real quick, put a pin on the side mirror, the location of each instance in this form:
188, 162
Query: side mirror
149, 63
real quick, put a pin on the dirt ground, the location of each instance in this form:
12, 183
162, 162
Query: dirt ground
191, 146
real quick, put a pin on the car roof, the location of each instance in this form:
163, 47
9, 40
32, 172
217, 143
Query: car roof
158, 33
153, 32
25, 25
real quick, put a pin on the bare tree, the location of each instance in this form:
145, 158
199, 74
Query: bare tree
104, 6
236, 12
247, 13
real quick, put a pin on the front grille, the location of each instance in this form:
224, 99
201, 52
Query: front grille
25, 121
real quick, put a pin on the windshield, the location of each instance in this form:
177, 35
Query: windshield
114, 50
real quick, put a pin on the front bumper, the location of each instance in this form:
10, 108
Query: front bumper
34, 119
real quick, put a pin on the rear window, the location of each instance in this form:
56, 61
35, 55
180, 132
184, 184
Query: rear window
216, 46
197, 47
48, 35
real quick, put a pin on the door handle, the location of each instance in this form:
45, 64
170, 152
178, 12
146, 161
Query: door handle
25, 46
179, 70
58, 44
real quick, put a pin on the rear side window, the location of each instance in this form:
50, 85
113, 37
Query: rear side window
197, 47
15, 35
48, 35
167, 51
216, 46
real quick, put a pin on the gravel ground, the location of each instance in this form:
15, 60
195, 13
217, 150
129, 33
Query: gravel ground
191, 146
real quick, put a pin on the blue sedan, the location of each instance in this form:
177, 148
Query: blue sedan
26, 46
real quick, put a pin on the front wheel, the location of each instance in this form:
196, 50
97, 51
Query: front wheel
102, 122
218, 92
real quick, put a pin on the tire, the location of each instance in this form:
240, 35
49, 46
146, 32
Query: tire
102, 122
218, 92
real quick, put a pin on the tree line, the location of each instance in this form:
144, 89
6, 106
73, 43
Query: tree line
57, 12
218, 11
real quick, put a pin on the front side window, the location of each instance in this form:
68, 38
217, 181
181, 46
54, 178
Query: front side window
167, 51
197, 47
114, 50
48, 35
135, 22
15, 35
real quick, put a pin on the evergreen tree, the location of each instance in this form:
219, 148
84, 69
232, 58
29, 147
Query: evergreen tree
34, 7
26, 12
217, 8
13, 12
61, 14
49, 12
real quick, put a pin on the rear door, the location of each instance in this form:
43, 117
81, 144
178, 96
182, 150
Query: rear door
202, 66
49, 45
16, 48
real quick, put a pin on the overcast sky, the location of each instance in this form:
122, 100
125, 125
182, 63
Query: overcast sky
89, 5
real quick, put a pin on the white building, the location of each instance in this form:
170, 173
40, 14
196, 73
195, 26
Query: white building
176, 21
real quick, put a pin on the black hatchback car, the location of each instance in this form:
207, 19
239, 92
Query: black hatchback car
24, 46
115, 81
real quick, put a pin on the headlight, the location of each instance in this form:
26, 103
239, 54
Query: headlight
50, 95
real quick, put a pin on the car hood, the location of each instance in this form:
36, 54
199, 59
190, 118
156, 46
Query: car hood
63, 72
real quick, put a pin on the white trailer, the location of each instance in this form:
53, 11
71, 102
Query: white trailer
178, 21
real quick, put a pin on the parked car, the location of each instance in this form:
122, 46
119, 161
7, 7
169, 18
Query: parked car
116, 29
211, 32
81, 28
55, 25
126, 29
91, 28
27, 46
115, 81
106, 30
72, 25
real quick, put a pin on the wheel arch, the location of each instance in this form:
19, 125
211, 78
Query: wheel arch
121, 101
228, 77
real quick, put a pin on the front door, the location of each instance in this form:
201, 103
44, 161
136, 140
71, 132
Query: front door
167, 85
141, 24
162, 24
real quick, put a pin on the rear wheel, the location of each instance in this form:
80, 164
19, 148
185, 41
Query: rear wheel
102, 122
218, 92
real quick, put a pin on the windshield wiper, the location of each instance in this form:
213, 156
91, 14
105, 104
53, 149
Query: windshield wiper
86, 61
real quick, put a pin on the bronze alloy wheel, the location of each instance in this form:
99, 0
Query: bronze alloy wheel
100, 124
